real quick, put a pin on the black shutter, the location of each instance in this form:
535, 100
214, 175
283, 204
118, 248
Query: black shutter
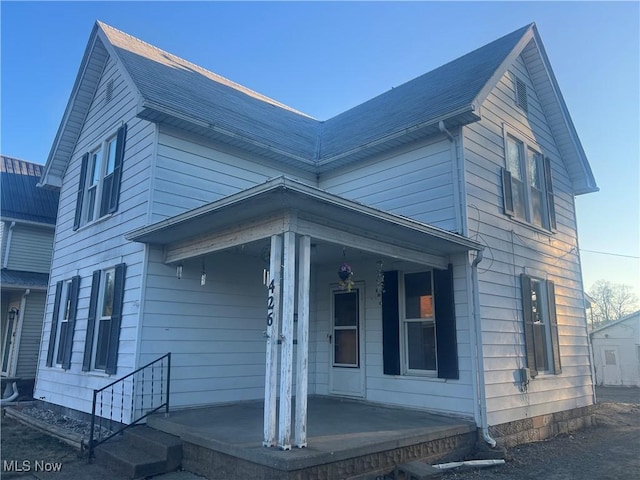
54, 323
114, 196
81, 187
529, 333
390, 325
73, 308
551, 205
446, 339
553, 325
91, 321
507, 192
116, 319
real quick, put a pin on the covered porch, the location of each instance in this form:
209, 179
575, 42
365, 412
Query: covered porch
299, 235
346, 438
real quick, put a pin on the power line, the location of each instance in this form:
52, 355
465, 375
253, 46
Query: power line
609, 253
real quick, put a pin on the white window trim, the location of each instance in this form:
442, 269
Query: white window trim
63, 317
103, 148
100, 318
404, 345
527, 144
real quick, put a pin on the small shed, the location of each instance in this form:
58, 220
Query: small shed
616, 351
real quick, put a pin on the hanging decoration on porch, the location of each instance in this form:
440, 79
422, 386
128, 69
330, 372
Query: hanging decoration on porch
203, 277
345, 273
179, 271
265, 255
379, 282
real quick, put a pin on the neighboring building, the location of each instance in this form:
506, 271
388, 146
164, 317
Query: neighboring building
616, 351
451, 199
27, 222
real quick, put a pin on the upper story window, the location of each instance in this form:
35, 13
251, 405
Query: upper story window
526, 184
100, 177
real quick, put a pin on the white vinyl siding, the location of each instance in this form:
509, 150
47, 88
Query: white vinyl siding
416, 182
191, 172
514, 248
30, 333
437, 394
30, 248
101, 244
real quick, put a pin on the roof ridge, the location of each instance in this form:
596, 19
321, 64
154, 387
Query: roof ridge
224, 80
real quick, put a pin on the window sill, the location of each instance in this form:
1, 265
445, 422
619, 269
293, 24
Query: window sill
95, 222
530, 226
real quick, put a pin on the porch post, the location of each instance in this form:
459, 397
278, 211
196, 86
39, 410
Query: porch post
302, 357
272, 334
286, 360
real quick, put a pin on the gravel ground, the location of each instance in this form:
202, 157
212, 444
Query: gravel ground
64, 421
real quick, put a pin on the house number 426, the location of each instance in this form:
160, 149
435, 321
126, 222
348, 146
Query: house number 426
272, 288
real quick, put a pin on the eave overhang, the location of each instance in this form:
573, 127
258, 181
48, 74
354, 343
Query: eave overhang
285, 198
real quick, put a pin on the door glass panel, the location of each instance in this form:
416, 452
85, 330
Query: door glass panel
346, 309
345, 329
346, 347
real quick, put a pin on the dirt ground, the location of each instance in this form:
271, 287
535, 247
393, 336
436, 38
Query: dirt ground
611, 450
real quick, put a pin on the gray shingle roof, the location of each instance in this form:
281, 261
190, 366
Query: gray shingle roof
179, 87
21, 198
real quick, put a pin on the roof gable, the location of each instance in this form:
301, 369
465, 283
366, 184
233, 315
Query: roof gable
174, 91
21, 199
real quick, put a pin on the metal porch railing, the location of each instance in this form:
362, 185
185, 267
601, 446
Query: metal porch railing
143, 391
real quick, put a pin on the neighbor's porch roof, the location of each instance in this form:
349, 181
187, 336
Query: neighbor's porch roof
283, 204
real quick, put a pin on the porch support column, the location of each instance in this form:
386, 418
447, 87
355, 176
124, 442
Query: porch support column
302, 357
272, 334
286, 360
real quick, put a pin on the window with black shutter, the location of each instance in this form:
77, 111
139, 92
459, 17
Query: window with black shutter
63, 323
542, 343
100, 179
104, 321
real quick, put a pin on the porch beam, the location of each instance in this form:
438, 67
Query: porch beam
272, 334
334, 235
221, 240
286, 352
302, 355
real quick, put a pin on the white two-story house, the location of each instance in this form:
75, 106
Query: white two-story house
417, 250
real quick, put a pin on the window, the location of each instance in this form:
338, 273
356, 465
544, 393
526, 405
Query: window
526, 184
63, 323
419, 324
540, 325
100, 176
105, 315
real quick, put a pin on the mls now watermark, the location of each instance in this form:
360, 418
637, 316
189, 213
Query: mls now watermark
30, 466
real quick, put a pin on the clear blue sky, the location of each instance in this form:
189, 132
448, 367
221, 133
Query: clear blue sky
322, 58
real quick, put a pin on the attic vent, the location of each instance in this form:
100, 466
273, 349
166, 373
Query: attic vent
109, 92
521, 94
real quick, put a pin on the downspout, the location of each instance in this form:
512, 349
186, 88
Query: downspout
479, 352
455, 177
5, 260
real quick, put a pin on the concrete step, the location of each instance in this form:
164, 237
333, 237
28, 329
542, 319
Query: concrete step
156, 442
141, 452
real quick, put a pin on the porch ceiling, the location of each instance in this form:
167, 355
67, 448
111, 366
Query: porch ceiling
283, 204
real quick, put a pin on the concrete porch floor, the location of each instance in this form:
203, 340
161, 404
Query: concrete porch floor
343, 436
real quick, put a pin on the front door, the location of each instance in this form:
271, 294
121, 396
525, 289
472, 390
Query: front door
346, 376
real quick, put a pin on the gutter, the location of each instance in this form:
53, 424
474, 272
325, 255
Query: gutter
479, 355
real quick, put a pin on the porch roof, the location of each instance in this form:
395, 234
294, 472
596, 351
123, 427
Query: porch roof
286, 204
